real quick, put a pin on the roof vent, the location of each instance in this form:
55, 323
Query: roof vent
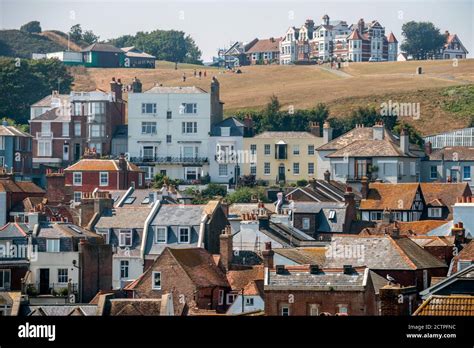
348, 269
280, 269
314, 269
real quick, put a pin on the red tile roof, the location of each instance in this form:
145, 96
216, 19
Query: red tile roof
453, 305
267, 45
100, 165
392, 38
355, 35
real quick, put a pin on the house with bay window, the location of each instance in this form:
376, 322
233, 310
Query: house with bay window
169, 128
225, 151
369, 152
64, 126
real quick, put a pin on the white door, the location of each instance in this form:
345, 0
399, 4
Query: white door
65, 152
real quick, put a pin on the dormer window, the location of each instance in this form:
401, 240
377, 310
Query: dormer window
161, 235
184, 235
225, 131
125, 238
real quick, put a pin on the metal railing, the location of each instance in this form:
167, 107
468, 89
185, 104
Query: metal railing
169, 159
59, 289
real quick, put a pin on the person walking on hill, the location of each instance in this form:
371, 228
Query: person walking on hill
200, 74
184, 77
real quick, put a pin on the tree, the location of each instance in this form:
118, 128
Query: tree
170, 45
75, 33
413, 135
89, 37
246, 195
32, 80
422, 40
32, 27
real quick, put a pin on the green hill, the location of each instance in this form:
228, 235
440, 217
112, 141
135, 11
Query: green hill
16, 43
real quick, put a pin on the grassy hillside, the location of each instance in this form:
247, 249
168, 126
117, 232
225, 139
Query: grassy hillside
359, 84
16, 43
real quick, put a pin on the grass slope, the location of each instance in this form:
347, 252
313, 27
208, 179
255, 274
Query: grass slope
305, 86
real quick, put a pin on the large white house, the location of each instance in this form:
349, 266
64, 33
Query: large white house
168, 130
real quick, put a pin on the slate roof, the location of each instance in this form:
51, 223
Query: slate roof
314, 207
124, 217
134, 52
299, 278
453, 305
46, 101
176, 90
304, 256
14, 230
344, 144
236, 127
102, 47
60, 310
285, 135
322, 190
63, 229
7, 131
381, 253
179, 214
53, 115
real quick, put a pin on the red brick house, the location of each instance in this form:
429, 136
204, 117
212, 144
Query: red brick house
89, 174
190, 274
308, 290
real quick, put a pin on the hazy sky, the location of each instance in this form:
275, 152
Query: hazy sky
215, 23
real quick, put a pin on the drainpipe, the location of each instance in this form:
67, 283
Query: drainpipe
202, 229
154, 210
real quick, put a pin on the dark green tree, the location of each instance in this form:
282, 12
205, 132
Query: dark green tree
32, 27
89, 37
75, 33
422, 40
27, 82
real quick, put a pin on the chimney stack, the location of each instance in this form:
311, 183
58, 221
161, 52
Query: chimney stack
136, 85
267, 255
404, 141
248, 126
378, 131
327, 175
226, 248
315, 129
364, 189
428, 148
327, 132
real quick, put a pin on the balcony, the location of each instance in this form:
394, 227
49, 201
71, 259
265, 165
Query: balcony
55, 289
356, 177
44, 135
168, 160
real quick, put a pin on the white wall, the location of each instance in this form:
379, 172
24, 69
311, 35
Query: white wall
135, 269
236, 307
3, 208
237, 142
54, 261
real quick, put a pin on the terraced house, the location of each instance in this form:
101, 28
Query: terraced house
169, 130
283, 156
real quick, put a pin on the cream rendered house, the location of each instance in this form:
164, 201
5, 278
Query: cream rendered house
283, 156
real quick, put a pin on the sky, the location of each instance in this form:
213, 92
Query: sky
216, 23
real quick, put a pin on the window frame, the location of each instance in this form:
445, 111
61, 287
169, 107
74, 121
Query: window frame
100, 179
62, 275
53, 245
180, 228
78, 182
124, 268
123, 232
156, 229
153, 280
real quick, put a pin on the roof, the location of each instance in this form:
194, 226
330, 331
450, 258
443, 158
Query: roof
199, 266
46, 101
179, 214
420, 227
354, 35
392, 38
267, 45
96, 165
453, 305
322, 190
14, 230
466, 254
132, 51
444, 194
364, 134
236, 210
453, 153
7, 131
369, 148
134, 306
236, 127
314, 207
285, 135
124, 217
380, 252
102, 47
465, 276
304, 256
60, 310
300, 278
239, 279
176, 90
7, 184
55, 114
389, 196
63, 229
